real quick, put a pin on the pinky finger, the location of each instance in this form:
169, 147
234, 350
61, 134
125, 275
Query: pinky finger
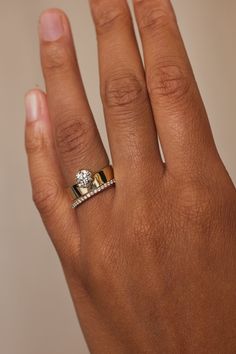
48, 186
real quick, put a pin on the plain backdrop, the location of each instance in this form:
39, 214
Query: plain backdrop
36, 313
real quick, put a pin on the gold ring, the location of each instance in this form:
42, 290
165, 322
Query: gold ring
90, 183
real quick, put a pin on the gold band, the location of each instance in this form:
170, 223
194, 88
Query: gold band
98, 179
103, 187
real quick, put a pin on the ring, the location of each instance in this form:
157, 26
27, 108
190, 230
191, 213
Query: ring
90, 183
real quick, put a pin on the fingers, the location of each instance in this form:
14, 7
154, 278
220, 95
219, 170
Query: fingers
47, 182
77, 139
180, 116
130, 124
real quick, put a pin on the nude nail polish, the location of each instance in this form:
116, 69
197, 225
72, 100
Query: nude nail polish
51, 26
32, 106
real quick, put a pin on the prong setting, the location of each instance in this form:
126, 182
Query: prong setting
84, 178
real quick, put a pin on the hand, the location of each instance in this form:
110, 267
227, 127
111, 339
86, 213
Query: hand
150, 263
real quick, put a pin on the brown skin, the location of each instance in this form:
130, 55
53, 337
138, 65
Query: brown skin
151, 263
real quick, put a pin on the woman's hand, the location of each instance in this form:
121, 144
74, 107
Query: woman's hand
151, 263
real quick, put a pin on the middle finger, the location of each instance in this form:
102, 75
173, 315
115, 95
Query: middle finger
130, 124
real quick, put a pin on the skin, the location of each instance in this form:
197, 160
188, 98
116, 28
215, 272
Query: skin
151, 263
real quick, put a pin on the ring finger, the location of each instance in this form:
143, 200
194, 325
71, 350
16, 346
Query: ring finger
77, 139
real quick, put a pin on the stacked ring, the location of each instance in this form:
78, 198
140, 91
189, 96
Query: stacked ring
89, 184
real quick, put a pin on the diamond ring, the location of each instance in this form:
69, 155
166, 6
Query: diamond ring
89, 184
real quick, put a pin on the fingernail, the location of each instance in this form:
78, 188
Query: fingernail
32, 106
51, 26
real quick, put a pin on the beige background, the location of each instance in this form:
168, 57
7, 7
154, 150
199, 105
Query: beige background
36, 314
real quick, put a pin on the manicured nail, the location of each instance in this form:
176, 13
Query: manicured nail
51, 26
32, 106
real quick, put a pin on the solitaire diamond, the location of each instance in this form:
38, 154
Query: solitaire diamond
84, 179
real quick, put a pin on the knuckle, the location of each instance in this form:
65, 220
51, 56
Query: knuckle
124, 91
73, 136
46, 193
95, 274
196, 201
105, 17
141, 230
139, 223
156, 19
99, 262
55, 57
168, 81
148, 233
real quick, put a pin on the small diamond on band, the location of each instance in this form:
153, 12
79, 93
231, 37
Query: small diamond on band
80, 200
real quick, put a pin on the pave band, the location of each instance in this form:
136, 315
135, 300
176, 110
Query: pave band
90, 183
82, 199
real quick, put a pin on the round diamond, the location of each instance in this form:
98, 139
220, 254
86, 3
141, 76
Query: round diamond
84, 178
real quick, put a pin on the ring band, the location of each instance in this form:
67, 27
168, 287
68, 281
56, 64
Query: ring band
88, 184
80, 200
